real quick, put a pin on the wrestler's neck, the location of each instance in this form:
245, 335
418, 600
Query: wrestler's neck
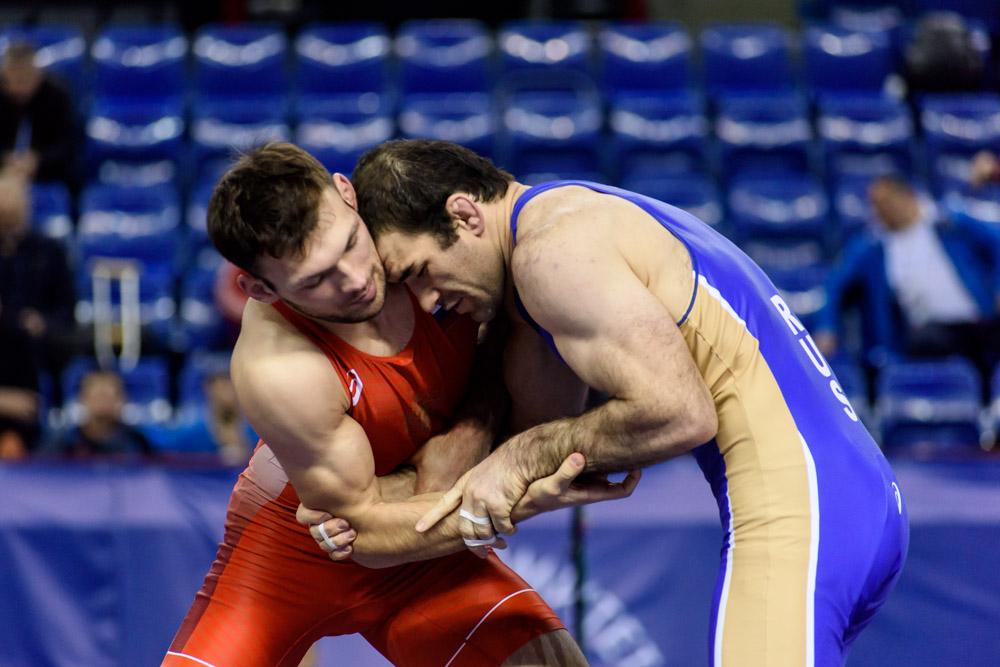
498, 215
387, 333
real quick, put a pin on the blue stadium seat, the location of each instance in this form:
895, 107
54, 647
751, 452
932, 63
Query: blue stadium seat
837, 59
982, 204
444, 56
865, 135
201, 323
778, 207
468, 119
956, 127
878, 17
139, 61
851, 208
336, 131
746, 57
650, 57
220, 127
663, 132
195, 218
929, 408
61, 51
131, 141
147, 389
245, 61
692, 192
52, 210
129, 222
758, 132
197, 366
333, 59
552, 132
527, 44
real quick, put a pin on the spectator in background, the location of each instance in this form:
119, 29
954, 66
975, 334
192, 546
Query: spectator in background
218, 427
36, 119
36, 285
101, 430
928, 285
985, 168
36, 312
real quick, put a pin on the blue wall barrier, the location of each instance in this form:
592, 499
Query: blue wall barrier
99, 563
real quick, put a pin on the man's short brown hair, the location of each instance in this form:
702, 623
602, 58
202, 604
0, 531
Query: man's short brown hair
267, 203
405, 184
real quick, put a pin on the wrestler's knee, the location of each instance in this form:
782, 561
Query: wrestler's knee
556, 648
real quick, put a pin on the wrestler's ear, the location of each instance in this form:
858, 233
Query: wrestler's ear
346, 190
255, 288
466, 213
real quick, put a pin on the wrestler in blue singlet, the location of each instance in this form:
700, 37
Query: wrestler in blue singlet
815, 526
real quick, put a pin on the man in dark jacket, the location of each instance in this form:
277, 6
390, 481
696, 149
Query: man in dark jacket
927, 285
36, 119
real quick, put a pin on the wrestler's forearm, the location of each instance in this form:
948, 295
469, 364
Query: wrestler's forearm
386, 537
616, 436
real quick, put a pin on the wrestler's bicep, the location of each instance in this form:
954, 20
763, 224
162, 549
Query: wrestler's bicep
296, 409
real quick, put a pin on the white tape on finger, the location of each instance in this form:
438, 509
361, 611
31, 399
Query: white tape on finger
479, 543
478, 520
326, 538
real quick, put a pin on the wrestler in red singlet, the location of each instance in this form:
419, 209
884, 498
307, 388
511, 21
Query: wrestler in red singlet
272, 592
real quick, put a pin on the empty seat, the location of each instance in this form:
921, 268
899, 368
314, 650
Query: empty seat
245, 61
837, 59
929, 407
865, 135
338, 130
779, 207
129, 223
445, 55
649, 57
219, 128
132, 141
982, 204
532, 44
557, 132
692, 192
758, 132
746, 57
341, 58
955, 128
468, 119
201, 322
139, 61
660, 132
52, 210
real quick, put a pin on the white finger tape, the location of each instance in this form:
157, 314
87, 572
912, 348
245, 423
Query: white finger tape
326, 538
479, 543
478, 520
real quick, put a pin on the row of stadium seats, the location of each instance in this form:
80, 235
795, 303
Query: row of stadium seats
457, 55
919, 408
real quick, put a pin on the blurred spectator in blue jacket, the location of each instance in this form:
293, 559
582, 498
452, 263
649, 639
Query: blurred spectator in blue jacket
217, 427
926, 285
100, 431
37, 129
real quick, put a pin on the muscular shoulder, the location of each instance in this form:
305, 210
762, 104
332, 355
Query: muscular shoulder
285, 384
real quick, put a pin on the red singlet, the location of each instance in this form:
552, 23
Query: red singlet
272, 592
